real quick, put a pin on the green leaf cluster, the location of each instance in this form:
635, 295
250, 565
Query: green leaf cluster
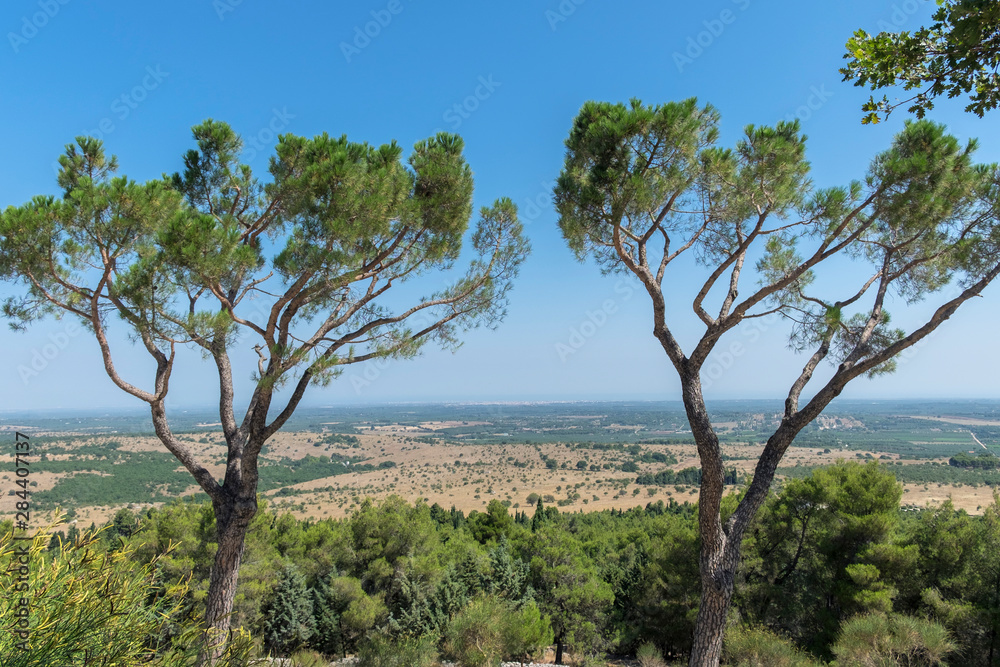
956, 55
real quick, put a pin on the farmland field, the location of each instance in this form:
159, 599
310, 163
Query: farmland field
577, 456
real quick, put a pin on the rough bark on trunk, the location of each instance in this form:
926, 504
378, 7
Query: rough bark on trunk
720, 543
232, 520
718, 574
559, 650
720, 550
993, 625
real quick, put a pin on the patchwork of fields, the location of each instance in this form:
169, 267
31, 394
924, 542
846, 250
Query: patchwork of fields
579, 457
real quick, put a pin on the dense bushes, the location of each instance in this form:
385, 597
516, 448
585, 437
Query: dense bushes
384, 651
690, 476
829, 564
985, 461
489, 628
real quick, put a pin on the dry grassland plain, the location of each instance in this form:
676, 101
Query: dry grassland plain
468, 476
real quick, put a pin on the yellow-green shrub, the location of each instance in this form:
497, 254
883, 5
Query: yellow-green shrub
748, 646
91, 607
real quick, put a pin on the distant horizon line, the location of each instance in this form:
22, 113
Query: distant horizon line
214, 408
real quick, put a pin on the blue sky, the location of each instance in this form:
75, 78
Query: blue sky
509, 77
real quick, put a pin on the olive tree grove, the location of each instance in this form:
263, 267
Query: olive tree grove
299, 268
644, 185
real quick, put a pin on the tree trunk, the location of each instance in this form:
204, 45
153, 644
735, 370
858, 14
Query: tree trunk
718, 575
717, 572
993, 620
559, 649
232, 520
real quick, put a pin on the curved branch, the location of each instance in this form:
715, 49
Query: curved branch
180, 451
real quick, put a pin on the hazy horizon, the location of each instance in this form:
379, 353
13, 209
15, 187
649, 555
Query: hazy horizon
142, 409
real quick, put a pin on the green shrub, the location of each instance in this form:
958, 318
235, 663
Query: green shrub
85, 606
526, 633
590, 660
308, 659
288, 614
756, 647
381, 651
95, 608
892, 639
489, 629
474, 637
649, 656
241, 649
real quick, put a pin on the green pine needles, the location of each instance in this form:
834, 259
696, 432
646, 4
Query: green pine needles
302, 269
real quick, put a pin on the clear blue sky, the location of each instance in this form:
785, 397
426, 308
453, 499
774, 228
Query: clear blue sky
141, 74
